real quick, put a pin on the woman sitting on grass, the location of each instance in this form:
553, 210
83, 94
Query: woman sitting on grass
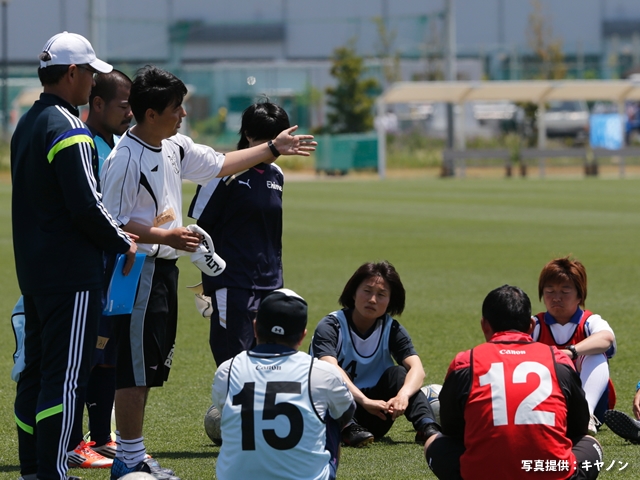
363, 341
585, 337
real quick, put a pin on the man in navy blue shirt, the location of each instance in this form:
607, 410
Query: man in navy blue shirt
60, 231
109, 117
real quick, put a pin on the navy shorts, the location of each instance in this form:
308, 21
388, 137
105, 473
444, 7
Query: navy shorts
146, 338
234, 310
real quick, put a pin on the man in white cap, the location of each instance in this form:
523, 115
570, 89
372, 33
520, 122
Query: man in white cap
282, 410
60, 231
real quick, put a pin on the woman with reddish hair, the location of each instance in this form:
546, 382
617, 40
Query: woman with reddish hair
584, 336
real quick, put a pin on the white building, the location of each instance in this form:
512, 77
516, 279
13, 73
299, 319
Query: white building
286, 45
139, 30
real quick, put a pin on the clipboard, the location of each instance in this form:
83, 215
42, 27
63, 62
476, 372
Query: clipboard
121, 293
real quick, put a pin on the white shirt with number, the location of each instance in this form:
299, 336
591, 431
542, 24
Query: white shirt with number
273, 410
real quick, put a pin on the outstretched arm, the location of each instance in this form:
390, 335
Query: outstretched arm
285, 143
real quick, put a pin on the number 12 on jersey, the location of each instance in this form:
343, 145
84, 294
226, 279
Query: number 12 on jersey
525, 413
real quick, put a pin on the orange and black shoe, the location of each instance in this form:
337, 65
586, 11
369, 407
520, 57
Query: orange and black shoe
83, 456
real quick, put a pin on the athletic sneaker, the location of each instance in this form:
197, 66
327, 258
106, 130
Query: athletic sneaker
148, 465
425, 431
356, 436
107, 450
85, 457
594, 425
623, 425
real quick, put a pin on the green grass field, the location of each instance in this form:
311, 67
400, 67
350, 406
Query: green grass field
452, 241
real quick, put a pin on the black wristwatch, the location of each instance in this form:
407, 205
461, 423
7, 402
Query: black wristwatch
274, 150
574, 352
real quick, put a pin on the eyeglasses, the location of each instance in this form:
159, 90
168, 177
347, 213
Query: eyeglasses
89, 69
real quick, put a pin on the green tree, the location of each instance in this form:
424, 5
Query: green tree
351, 100
546, 48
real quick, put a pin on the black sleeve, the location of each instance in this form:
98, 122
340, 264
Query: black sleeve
325, 338
453, 398
400, 343
577, 408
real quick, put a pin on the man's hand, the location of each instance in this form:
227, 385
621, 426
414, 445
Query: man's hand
182, 239
378, 408
131, 257
397, 405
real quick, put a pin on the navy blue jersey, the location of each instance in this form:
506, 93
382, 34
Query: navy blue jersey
60, 226
243, 215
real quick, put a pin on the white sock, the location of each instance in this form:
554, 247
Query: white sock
118, 446
133, 451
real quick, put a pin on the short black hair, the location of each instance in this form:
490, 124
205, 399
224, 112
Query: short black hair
52, 74
107, 85
262, 121
156, 89
384, 270
507, 308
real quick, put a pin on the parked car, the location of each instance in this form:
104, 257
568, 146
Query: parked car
567, 119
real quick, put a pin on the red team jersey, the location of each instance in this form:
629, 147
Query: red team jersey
579, 335
516, 412
547, 337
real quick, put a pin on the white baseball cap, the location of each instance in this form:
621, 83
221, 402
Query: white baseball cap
71, 49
